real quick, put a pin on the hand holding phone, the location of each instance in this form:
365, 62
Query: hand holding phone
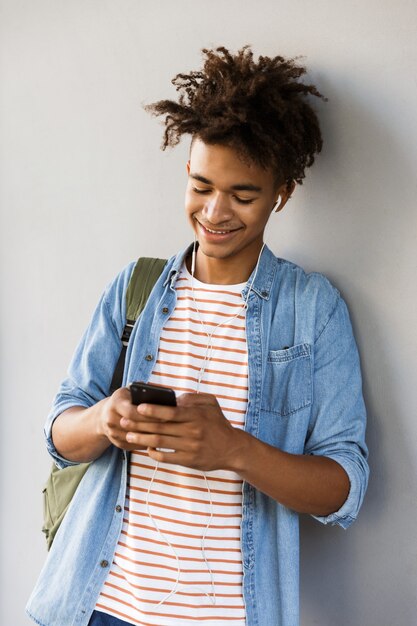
151, 394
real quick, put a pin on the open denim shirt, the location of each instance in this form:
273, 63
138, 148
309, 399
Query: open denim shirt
305, 397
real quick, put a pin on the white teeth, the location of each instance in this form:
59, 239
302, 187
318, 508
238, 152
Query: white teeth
217, 232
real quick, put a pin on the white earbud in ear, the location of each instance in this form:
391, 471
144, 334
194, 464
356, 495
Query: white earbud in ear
277, 204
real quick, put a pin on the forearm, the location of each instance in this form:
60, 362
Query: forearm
77, 433
304, 483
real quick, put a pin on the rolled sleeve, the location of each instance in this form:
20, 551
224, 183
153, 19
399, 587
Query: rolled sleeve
92, 366
338, 423
358, 479
62, 402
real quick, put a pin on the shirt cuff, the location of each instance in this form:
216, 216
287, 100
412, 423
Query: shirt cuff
59, 460
348, 512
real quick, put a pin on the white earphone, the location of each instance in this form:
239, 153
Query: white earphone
277, 204
177, 585
193, 256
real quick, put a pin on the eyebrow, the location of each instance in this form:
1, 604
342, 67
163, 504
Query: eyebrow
239, 187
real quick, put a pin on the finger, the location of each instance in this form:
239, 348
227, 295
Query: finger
122, 393
119, 440
173, 429
173, 457
120, 404
137, 421
124, 418
157, 441
197, 399
129, 447
158, 412
176, 457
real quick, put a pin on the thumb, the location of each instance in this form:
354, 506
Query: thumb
197, 399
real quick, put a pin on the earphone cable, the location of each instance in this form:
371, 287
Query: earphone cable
206, 360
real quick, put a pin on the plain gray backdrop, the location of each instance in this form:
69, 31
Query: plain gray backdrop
85, 189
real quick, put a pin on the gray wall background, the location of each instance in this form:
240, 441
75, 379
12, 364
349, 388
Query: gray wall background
84, 189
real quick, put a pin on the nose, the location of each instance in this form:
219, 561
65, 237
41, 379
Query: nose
217, 209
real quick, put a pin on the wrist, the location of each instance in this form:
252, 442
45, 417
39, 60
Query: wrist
98, 416
240, 451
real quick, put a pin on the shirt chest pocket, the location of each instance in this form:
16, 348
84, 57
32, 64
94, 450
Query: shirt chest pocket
287, 386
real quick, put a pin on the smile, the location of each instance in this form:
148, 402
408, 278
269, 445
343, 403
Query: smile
217, 232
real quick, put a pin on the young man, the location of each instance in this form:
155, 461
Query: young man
199, 523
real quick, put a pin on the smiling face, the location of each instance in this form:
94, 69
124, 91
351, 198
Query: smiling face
228, 202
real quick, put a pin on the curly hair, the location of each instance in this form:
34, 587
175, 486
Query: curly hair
260, 109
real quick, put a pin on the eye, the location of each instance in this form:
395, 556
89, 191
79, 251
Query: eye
244, 200
198, 190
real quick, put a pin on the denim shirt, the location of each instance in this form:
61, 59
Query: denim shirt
305, 397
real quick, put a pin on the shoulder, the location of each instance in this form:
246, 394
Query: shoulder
311, 293
117, 286
114, 296
306, 283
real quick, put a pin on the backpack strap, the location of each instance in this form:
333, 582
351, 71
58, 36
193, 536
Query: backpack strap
62, 483
144, 276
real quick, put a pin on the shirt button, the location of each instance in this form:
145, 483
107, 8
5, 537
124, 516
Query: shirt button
165, 309
264, 294
148, 357
118, 508
104, 563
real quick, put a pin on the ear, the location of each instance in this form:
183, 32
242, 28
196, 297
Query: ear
283, 194
188, 166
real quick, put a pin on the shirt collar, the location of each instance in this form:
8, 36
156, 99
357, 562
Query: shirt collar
267, 268
173, 273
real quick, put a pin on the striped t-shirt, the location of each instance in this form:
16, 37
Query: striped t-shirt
170, 508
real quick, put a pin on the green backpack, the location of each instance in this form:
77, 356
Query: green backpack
62, 483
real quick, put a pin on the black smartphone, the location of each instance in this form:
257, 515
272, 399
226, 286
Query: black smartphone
152, 394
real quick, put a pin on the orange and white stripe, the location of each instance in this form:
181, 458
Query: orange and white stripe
145, 567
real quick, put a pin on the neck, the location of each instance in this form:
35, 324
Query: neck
228, 271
